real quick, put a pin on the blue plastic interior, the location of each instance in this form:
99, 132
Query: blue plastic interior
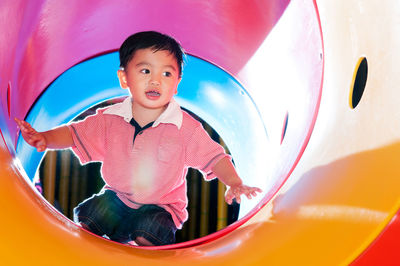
206, 90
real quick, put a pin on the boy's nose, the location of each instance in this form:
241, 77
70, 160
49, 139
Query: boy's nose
155, 80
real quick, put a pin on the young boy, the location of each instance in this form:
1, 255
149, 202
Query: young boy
146, 145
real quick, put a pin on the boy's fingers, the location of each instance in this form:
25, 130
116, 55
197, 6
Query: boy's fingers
22, 123
232, 194
236, 193
19, 122
31, 136
22, 127
228, 199
41, 148
238, 199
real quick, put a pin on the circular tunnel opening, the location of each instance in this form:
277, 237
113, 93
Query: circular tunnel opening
240, 116
207, 92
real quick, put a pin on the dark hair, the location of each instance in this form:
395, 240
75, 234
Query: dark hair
150, 39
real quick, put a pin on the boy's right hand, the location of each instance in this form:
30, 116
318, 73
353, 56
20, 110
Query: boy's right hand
31, 136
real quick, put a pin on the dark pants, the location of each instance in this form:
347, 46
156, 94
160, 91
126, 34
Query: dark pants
105, 214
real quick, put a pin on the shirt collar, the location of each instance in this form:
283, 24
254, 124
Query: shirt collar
171, 115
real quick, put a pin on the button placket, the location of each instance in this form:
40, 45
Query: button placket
138, 143
137, 138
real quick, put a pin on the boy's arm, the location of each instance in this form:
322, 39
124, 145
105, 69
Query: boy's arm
225, 171
57, 138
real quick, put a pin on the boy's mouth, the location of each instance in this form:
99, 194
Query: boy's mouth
153, 94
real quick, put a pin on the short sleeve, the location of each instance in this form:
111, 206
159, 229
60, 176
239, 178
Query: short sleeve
202, 153
88, 136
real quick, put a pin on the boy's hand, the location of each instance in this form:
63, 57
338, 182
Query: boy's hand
237, 191
31, 136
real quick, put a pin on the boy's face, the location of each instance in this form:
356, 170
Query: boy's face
151, 77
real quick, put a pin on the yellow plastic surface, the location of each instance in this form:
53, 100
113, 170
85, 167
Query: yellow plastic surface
342, 193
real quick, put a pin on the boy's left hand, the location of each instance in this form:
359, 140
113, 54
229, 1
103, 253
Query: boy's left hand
234, 192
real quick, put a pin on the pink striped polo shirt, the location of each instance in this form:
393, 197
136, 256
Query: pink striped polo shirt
152, 168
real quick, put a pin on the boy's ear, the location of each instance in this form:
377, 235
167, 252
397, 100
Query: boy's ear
122, 79
176, 89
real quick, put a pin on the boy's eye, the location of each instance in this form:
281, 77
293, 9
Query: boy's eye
167, 74
145, 71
